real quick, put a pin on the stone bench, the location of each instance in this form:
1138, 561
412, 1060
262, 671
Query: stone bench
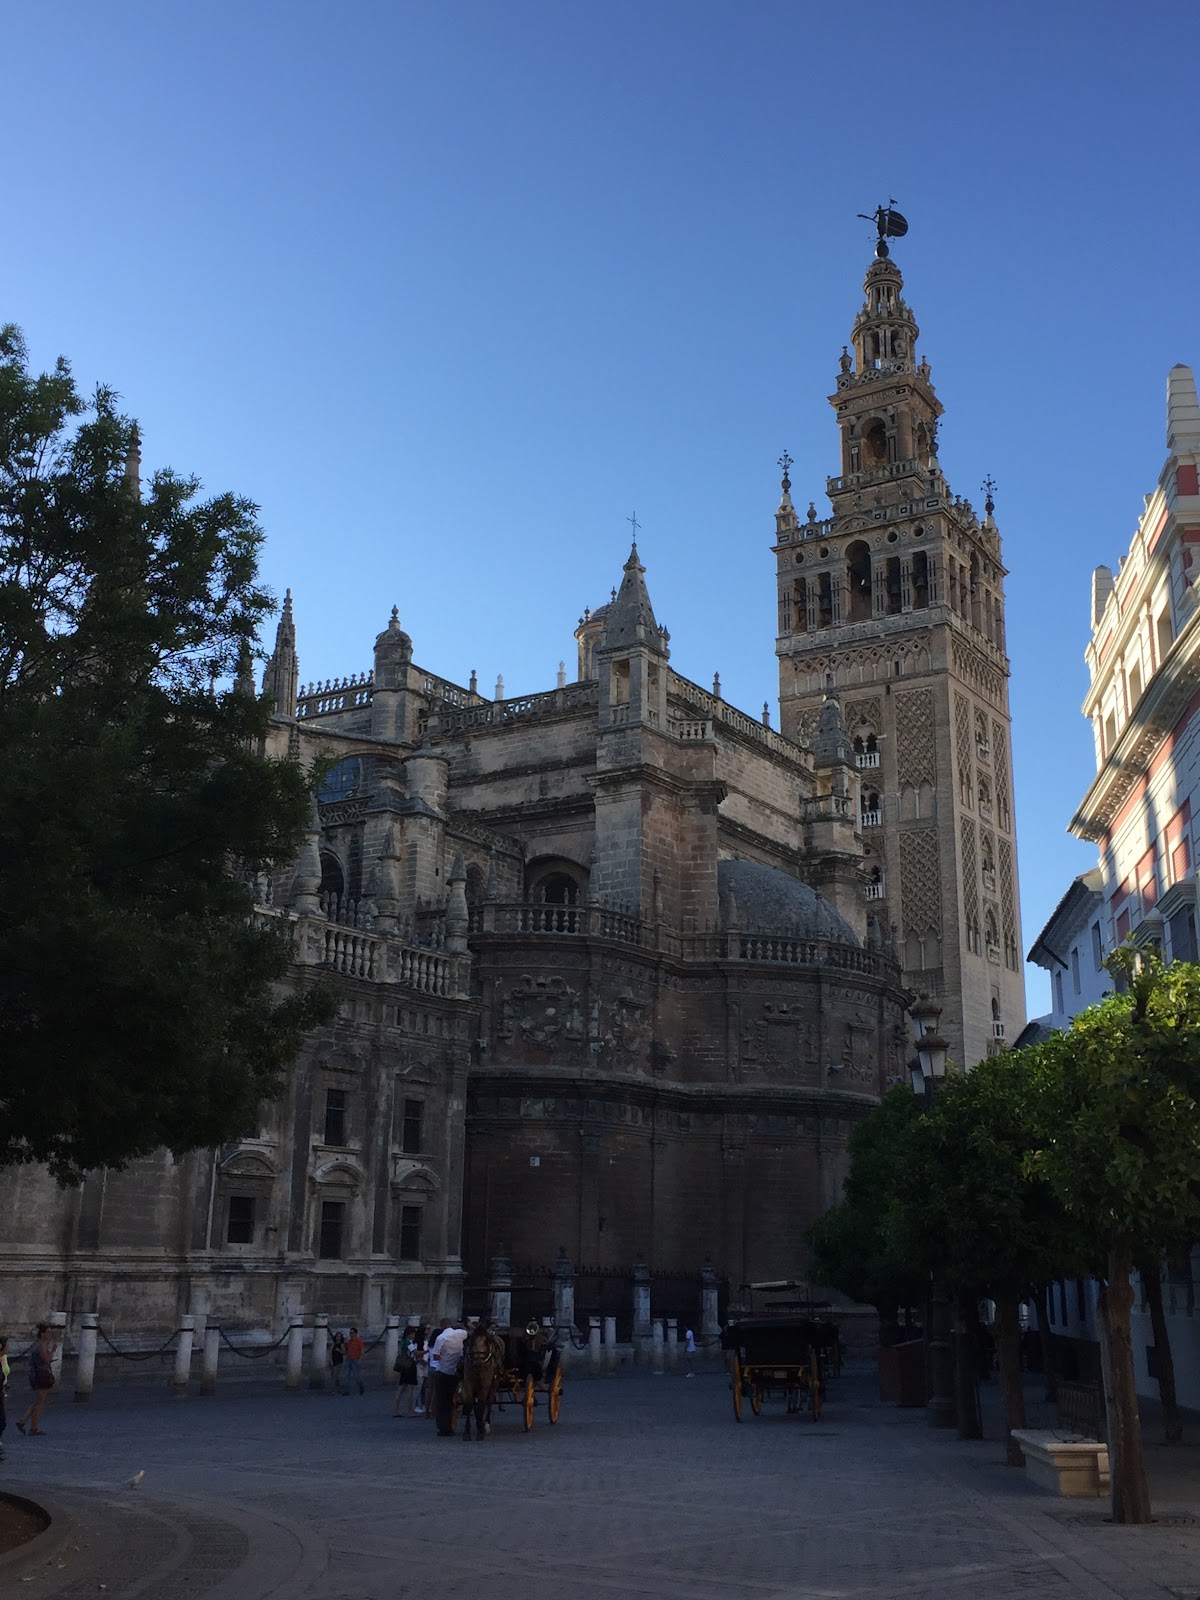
1065, 1463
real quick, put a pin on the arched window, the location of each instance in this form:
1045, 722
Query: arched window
858, 575
894, 590
333, 879
871, 814
920, 580
800, 606
875, 439
985, 800
824, 601
341, 781
991, 935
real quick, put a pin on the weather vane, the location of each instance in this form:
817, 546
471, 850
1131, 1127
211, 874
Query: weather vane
989, 488
634, 524
786, 464
889, 224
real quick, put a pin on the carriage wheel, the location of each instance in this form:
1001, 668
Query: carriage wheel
756, 1399
556, 1394
737, 1387
814, 1387
530, 1402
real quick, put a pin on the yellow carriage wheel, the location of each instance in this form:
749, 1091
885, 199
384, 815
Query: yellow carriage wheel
530, 1402
556, 1394
756, 1399
815, 1397
737, 1387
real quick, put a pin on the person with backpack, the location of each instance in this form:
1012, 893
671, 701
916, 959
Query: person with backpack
406, 1373
337, 1358
41, 1380
354, 1354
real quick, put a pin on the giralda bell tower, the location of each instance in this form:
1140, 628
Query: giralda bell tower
898, 597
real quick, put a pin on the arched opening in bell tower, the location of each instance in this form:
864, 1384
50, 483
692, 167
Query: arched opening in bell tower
858, 575
875, 440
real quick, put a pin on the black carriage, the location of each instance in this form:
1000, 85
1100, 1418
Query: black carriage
532, 1366
780, 1356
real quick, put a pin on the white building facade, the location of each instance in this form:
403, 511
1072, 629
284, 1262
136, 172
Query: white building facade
1144, 706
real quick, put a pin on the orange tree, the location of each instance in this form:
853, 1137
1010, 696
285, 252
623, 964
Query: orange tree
138, 1000
1117, 1141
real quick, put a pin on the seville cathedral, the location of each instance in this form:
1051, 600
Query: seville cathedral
620, 965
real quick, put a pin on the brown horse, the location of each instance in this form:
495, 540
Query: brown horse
483, 1363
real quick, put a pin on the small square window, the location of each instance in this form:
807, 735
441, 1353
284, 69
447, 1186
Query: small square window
414, 1111
410, 1233
239, 1229
335, 1116
333, 1219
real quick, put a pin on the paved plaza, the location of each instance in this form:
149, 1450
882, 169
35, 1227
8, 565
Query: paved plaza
646, 1487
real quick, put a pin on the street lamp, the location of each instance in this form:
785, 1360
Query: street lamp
927, 1069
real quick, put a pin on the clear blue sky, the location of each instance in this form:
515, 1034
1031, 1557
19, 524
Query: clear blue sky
452, 288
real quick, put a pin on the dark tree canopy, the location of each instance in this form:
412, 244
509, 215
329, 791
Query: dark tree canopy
137, 999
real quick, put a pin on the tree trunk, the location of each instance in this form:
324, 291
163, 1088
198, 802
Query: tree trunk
1008, 1350
966, 1369
1150, 1272
1130, 1492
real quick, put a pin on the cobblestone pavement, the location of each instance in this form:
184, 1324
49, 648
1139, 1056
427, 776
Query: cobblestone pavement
646, 1487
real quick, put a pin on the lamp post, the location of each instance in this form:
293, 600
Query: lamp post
927, 1070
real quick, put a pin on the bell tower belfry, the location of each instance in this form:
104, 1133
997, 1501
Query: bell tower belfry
899, 596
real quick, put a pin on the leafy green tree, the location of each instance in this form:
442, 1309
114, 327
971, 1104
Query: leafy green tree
1120, 1130
868, 1246
139, 1005
992, 1230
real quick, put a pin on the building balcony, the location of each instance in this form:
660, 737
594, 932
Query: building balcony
989, 881
871, 819
867, 758
875, 891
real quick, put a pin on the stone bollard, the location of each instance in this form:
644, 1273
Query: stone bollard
85, 1366
710, 1326
58, 1332
500, 1308
641, 1309
594, 1343
391, 1348
295, 1351
564, 1293
183, 1356
319, 1366
610, 1343
212, 1352
656, 1345
672, 1341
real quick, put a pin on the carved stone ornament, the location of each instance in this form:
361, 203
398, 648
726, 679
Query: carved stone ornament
542, 1012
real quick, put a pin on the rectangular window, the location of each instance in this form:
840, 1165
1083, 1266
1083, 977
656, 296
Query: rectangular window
333, 1220
239, 1229
1058, 992
410, 1233
414, 1111
1183, 935
1075, 969
1123, 926
335, 1116
1097, 948
1164, 635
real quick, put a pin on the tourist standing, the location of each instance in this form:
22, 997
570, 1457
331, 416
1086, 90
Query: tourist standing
354, 1354
4, 1370
422, 1358
337, 1359
41, 1379
445, 1359
689, 1350
406, 1374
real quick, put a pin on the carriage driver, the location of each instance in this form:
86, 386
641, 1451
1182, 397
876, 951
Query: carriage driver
444, 1361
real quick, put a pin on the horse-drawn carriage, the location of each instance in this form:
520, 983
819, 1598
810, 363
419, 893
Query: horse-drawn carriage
780, 1355
517, 1364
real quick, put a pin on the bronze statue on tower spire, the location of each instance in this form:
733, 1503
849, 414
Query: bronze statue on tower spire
890, 225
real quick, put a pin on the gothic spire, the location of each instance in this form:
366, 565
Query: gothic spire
631, 617
281, 680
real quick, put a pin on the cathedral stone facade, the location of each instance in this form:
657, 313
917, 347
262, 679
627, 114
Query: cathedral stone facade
620, 966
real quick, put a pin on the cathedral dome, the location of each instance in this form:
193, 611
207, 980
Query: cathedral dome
766, 900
